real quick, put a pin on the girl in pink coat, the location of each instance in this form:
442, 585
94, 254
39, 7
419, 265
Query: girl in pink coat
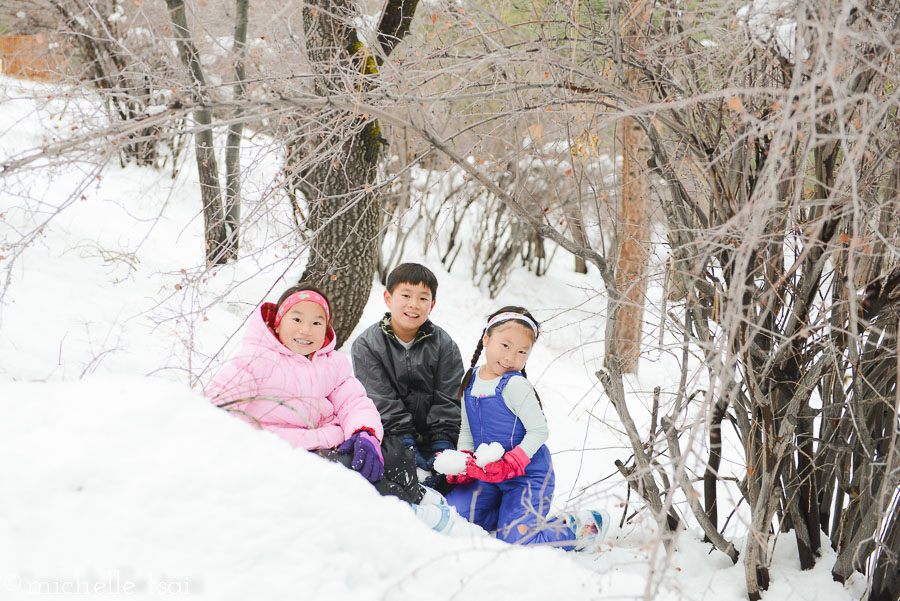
288, 379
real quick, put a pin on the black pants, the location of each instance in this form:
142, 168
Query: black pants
400, 479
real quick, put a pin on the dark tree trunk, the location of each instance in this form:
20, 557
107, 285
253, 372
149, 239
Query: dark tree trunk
343, 254
711, 476
886, 576
337, 177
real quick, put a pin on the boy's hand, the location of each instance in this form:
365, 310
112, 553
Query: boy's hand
409, 443
438, 447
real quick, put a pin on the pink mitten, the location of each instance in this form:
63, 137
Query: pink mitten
462, 478
512, 464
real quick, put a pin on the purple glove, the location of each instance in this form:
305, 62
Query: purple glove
367, 459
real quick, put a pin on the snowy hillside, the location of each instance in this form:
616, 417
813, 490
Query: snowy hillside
120, 479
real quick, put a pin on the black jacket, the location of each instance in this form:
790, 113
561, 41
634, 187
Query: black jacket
414, 389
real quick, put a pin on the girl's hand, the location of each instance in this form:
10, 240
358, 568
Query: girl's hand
461, 478
367, 458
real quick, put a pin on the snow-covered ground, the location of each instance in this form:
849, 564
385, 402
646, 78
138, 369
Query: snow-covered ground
120, 480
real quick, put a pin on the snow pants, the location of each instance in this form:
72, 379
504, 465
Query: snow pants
516, 508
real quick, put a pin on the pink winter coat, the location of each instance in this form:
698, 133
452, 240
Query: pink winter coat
312, 404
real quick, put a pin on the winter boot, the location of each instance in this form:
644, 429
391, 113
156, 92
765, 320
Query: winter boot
437, 517
431, 496
433, 509
589, 526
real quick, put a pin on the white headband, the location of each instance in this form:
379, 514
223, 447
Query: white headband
510, 315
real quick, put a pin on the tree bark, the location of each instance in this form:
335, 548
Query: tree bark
235, 131
114, 72
207, 168
343, 254
711, 476
575, 218
343, 209
634, 251
886, 576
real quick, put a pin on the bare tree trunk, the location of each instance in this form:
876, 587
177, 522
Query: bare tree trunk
711, 476
118, 74
575, 219
235, 131
634, 251
886, 577
207, 169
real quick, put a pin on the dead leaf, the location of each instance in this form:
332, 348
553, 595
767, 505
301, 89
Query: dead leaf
735, 104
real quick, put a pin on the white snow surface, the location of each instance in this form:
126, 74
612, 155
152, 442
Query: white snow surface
120, 480
771, 21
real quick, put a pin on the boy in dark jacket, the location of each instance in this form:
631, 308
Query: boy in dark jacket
411, 368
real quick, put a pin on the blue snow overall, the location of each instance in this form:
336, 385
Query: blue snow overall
515, 508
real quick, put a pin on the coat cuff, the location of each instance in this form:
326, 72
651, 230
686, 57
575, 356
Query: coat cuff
370, 431
519, 459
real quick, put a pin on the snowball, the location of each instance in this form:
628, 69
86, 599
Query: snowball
451, 463
488, 453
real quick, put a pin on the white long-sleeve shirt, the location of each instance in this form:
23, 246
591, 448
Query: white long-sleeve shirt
521, 399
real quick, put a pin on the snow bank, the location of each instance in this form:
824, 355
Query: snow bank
137, 486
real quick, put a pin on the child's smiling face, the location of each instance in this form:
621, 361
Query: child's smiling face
506, 348
410, 306
303, 327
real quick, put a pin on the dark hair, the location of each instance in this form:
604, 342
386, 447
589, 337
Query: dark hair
412, 273
467, 379
299, 287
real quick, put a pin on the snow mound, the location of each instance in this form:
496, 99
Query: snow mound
136, 486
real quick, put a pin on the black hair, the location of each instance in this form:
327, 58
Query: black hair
467, 379
299, 287
412, 273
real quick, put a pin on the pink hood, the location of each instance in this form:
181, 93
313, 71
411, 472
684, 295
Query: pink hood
312, 403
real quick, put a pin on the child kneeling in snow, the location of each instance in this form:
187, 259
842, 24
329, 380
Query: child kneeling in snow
508, 486
288, 379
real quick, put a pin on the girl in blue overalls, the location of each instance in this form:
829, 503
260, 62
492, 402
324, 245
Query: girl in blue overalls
512, 495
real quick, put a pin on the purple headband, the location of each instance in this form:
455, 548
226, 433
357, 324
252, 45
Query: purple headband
510, 315
297, 297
